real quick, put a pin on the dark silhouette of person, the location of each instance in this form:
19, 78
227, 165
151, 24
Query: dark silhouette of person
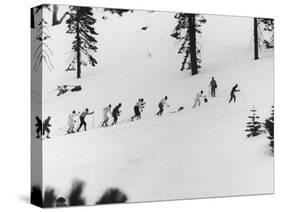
137, 109
46, 126
115, 113
38, 126
232, 93
82, 119
213, 85
161, 106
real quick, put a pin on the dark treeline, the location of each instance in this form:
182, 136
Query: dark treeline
75, 197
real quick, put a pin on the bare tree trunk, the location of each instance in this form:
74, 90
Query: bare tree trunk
32, 25
192, 36
78, 48
256, 39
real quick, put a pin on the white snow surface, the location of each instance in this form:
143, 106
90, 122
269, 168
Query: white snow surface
196, 153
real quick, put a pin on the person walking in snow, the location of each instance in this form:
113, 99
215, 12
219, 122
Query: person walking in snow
137, 111
161, 106
232, 93
197, 99
46, 125
115, 113
38, 126
82, 119
213, 86
71, 121
106, 111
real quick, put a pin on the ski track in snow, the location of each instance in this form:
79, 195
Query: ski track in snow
201, 152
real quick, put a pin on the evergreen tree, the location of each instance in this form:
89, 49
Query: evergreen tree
268, 26
269, 126
185, 32
119, 12
81, 24
253, 126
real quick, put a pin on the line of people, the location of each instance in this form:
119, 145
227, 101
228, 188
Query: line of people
44, 128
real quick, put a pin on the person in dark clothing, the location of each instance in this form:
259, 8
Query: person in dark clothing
82, 119
161, 106
46, 126
232, 93
115, 113
39, 127
213, 85
137, 110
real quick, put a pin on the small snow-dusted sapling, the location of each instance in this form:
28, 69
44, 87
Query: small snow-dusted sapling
253, 126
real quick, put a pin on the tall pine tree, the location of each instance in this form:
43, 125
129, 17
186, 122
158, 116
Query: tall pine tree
81, 24
268, 26
185, 31
262, 25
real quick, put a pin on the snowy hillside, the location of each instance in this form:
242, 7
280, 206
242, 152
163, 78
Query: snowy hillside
195, 153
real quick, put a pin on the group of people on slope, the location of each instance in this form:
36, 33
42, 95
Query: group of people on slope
44, 128
213, 86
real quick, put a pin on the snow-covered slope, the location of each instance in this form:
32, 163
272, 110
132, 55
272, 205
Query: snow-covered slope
200, 152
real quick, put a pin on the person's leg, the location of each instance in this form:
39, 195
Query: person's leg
231, 98
214, 92
38, 132
161, 109
80, 125
115, 118
234, 98
71, 128
195, 102
105, 122
158, 113
48, 132
85, 126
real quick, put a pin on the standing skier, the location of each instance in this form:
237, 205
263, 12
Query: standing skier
115, 113
161, 106
106, 111
82, 119
213, 86
46, 126
39, 127
71, 121
197, 99
232, 93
